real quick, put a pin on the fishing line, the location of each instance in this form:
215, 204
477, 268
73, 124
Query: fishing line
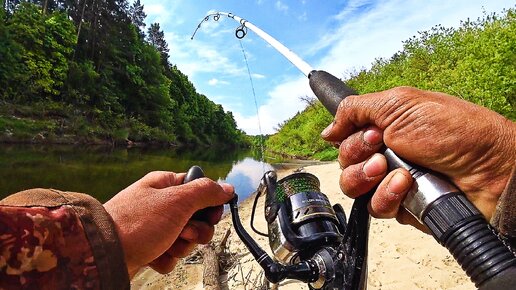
240, 33
262, 150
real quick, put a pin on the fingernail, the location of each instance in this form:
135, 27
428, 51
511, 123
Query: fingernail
372, 137
190, 232
398, 183
327, 130
228, 188
374, 166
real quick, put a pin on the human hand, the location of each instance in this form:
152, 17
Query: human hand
473, 146
152, 218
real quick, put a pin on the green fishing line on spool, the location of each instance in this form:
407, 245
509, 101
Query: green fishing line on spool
296, 183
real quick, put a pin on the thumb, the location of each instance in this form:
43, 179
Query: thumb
162, 179
204, 192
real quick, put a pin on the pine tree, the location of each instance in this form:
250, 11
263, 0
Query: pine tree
138, 16
156, 38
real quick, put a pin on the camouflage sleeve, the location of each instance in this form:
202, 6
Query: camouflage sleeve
58, 240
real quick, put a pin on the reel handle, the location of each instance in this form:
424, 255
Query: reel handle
454, 221
193, 173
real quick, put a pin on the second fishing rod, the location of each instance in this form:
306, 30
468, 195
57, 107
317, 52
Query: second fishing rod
435, 201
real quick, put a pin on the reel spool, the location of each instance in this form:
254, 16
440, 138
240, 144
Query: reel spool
300, 218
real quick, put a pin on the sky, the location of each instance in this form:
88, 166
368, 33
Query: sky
337, 36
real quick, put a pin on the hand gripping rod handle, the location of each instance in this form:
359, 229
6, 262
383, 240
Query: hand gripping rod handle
453, 220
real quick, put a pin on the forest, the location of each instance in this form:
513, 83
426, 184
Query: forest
90, 71
475, 62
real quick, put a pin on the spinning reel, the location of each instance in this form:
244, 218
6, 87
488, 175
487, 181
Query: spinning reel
311, 241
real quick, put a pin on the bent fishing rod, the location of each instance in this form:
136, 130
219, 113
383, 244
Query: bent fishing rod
435, 201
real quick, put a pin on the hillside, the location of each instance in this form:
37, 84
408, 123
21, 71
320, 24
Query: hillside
89, 72
476, 62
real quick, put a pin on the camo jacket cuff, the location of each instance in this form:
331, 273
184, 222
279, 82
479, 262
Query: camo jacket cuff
504, 218
51, 239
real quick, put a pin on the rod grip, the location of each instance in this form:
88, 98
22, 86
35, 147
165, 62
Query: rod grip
329, 89
463, 230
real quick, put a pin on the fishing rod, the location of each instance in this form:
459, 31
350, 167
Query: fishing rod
328, 252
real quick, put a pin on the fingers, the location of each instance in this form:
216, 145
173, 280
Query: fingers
202, 193
406, 218
164, 264
387, 198
214, 214
379, 109
344, 123
181, 248
360, 146
197, 232
360, 178
162, 179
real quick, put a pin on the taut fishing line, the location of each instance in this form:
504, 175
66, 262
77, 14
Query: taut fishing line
240, 33
262, 150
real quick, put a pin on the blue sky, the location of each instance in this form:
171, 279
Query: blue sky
336, 36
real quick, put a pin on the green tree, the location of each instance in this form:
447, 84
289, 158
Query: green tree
156, 37
86, 65
44, 42
138, 16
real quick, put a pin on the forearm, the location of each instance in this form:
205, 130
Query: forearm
58, 240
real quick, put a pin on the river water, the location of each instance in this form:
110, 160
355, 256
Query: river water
102, 172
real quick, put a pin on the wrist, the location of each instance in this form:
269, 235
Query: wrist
506, 149
132, 268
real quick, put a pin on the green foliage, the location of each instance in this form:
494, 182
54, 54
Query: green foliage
87, 66
25, 129
43, 44
476, 62
300, 135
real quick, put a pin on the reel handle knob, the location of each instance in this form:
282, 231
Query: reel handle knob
193, 173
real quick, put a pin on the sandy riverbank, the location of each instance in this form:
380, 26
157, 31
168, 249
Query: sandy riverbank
400, 257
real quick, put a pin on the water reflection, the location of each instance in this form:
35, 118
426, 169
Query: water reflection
102, 172
245, 175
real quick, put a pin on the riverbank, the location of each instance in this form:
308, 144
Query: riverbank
400, 257
49, 122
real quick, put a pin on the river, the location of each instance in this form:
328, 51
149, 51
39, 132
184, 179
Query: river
102, 172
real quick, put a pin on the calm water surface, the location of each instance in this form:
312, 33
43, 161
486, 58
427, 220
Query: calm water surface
102, 172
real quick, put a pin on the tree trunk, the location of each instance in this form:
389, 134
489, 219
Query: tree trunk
79, 26
45, 5
211, 268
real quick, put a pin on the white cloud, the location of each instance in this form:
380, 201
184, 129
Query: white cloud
281, 6
257, 76
163, 14
282, 104
200, 56
303, 16
379, 32
360, 37
214, 82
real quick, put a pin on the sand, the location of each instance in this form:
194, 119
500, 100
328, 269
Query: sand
400, 256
